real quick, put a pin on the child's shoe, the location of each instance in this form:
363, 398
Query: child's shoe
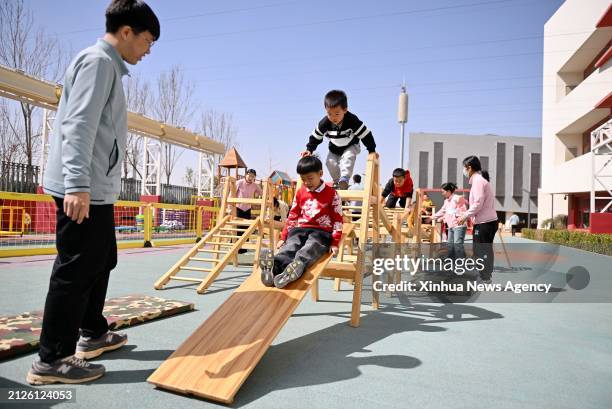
292, 272
266, 263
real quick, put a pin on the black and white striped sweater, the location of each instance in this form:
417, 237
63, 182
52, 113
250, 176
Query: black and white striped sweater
348, 133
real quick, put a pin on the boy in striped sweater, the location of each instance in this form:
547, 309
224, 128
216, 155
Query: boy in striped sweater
313, 228
344, 131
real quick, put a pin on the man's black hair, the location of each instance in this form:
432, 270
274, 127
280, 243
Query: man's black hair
357, 178
449, 187
134, 13
336, 98
399, 173
251, 171
309, 164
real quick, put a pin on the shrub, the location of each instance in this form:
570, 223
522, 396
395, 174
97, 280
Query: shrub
596, 243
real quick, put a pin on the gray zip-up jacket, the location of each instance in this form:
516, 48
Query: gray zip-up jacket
90, 131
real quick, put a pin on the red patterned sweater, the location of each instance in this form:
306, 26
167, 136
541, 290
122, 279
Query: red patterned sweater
317, 209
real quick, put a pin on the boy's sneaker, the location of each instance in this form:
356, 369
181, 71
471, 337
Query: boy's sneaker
292, 272
66, 370
266, 263
89, 348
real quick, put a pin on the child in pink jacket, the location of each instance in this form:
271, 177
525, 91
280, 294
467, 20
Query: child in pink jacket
454, 206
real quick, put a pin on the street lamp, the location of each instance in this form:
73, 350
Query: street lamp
402, 118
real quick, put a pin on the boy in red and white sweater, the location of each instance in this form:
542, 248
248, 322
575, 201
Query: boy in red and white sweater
313, 228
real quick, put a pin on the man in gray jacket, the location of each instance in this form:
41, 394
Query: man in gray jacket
83, 176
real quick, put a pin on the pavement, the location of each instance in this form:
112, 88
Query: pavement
410, 353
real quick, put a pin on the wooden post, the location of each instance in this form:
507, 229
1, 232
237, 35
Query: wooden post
363, 236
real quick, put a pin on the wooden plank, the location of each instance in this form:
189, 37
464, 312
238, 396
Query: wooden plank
189, 279
241, 222
244, 200
351, 194
211, 251
196, 269
333, 273
342, 266
211, 260
218, 357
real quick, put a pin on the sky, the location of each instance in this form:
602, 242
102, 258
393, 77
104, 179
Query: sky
470, 66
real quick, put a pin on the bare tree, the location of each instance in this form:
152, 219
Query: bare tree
31, 50
11, 133
139, 99
173, 106
218, 126
190, 177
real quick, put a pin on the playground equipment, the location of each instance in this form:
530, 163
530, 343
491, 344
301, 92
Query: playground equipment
16, 220
219, 356
221, 244
421, 231
394, 224
17, 85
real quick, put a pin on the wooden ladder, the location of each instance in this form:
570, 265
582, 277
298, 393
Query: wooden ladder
221, 245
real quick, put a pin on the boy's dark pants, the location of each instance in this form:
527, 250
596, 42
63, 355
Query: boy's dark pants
303, 244
392, 201
86, 253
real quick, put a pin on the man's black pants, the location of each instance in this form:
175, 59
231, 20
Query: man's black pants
86, 253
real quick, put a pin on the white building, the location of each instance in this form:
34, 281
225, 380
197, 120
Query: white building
513, 164
577, 99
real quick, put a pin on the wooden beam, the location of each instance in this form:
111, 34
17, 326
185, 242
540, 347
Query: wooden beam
17, 85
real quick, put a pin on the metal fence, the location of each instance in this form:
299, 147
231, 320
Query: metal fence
177, 194
22, 178
28, 223
18, 177
130, 189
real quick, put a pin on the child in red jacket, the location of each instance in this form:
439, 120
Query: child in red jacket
398, 188
313, 228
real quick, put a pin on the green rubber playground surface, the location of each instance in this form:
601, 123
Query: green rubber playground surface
409, 353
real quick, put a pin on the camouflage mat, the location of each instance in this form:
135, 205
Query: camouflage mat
20, 333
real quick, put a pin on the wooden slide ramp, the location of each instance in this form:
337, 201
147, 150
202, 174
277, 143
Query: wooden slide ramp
217, 358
